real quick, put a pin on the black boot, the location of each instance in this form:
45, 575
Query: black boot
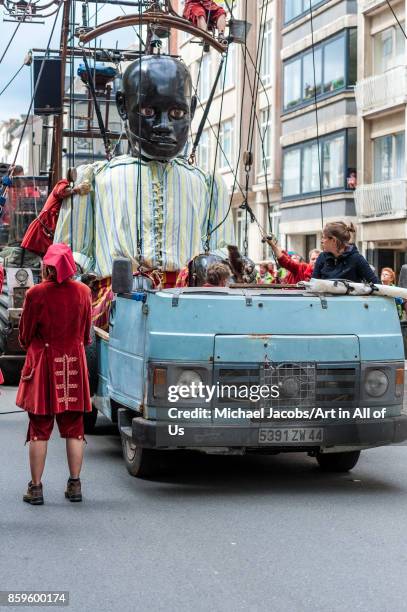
73, 490
34, 495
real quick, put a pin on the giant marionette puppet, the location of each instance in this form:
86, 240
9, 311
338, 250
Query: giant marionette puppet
150, 205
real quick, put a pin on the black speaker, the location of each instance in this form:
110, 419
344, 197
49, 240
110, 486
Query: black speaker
122, 275
48, 95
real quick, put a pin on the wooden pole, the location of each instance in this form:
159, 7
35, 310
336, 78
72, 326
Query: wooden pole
56, 163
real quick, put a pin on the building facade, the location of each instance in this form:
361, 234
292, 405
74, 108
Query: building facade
381, 95
248, 81
319, 65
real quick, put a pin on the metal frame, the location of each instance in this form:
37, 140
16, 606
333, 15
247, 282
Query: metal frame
324, 95
153, 17
303, 13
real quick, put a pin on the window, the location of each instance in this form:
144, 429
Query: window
204, 86
265, 141
388, 49
296, 8
333, 162
292, 83
292, 175
334, 64
309, 170
266, 53
308, 88
226, 142
335, 68
388, 153
204, 157
337, 159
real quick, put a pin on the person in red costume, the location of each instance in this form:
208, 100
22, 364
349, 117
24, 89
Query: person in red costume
54, 328
297, 270
205, 12
40, 233
1, 289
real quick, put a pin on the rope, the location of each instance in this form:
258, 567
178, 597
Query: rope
240, 137
252, 121
139, 210
10, 41
316, 115
12, 79
206, 112
211, 127
35, 91
102, 128
208, 227
396, 18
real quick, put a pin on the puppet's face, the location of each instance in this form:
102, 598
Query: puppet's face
158, 106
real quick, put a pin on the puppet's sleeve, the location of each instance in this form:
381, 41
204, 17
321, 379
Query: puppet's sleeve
75, 225
221, 217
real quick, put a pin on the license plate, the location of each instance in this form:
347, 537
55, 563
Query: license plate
290, 435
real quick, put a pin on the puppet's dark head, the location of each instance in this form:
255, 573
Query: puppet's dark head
242, 269
157, 104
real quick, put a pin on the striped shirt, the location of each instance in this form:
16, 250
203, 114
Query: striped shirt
174, 214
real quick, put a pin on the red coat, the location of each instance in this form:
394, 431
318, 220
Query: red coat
1, 289
296, 271
54, 327
40, 233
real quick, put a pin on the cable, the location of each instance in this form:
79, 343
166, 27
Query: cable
12, 412
240, 137
10, 41
209, 231
11, 80
396, 18
16, 30
316, 116
35, 91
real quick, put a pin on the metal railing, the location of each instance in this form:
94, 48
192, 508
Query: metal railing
382, 90
387, 198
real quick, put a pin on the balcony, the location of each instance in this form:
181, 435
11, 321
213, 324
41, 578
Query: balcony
382, 91
381, 200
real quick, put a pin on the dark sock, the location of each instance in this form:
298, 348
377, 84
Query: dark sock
73, 479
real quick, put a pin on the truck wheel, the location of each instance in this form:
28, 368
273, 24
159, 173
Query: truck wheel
89, 420
11, 371
140, 462
338, 462
92, 361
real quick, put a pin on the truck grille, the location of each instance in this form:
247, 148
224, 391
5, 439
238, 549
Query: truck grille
301, 384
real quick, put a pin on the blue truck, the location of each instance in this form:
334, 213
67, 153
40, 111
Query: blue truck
335, 365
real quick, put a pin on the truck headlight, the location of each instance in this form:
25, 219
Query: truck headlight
376, 383
190, 379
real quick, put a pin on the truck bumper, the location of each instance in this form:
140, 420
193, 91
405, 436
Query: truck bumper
352, 435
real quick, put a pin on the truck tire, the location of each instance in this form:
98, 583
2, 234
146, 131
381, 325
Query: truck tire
92, 361
11, 371
140, 462
89, 421
338, 462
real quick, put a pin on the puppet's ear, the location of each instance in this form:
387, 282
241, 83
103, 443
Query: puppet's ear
194, 103
121, 105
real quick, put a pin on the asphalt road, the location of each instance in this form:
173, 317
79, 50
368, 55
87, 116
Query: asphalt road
214, 533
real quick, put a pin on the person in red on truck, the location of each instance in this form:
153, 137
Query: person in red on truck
297, 270
204, 13
54, 327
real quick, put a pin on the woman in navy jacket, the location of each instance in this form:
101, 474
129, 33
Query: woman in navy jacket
339, 258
